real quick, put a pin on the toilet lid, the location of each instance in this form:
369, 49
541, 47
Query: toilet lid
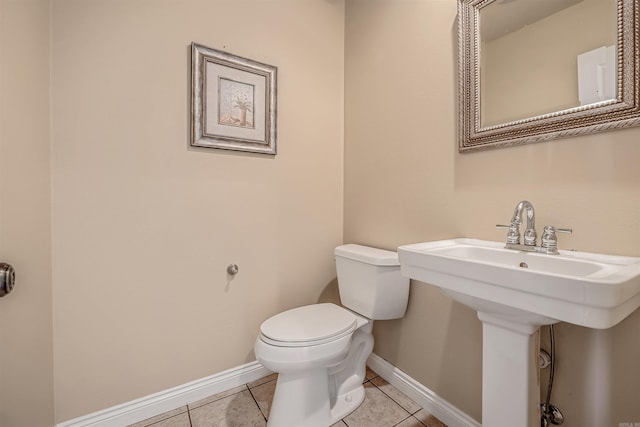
309, 325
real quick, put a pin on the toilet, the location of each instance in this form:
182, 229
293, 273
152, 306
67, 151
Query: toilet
320, 351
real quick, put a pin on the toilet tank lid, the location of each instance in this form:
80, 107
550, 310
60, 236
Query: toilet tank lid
368, 255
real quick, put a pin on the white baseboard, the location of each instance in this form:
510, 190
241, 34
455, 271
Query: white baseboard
427, 399
164, 401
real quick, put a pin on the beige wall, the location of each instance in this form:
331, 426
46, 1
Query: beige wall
405, 182
26, 359
144, 226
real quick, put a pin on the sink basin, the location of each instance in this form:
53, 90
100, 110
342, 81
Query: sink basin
592, 290
514, 293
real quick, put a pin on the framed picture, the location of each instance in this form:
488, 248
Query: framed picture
233, 102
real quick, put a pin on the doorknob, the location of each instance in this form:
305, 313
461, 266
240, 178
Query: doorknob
7, 278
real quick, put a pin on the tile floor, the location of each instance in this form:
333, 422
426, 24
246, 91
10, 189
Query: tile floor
248, 405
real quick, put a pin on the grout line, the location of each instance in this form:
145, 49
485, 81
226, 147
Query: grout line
259, 382
256, 402
192, 406
410, 416
398, 403
189, 415
160, 418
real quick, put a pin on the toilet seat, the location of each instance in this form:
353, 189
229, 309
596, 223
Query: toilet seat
309, 325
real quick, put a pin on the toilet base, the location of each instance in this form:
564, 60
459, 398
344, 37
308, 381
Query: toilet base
293, 407
346, 404
322, 396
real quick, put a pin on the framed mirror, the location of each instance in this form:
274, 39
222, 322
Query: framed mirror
537, 70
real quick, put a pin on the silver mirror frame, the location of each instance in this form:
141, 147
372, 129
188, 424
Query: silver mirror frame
607, 115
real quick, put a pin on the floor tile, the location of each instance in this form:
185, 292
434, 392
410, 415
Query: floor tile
410, 422
249, 405
262, 380
369, 373
377, 410
218, 396
391, 391
263, 394
155, 420
238, 410
428, 420
181, 420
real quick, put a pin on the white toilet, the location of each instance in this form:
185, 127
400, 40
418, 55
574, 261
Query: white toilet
320, 350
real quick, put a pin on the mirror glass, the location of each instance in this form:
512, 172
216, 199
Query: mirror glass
537, 70
543, 56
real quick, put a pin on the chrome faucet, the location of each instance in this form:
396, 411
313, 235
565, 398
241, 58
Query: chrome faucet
549, 244
530, 235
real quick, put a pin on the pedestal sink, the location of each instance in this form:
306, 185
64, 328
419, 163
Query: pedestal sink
514, 294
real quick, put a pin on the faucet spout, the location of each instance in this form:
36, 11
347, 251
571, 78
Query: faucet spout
530, 235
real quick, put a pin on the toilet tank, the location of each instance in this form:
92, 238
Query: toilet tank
370, 282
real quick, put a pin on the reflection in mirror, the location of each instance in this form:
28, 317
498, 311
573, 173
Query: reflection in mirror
533, 52
536, 70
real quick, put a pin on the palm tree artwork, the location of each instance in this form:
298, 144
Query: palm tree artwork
235, 103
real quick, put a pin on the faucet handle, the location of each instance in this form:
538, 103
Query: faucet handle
564, 230
549, 238
513, 236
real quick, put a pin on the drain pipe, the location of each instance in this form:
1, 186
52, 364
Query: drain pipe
550, 414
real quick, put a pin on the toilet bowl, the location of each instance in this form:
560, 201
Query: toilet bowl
320, 351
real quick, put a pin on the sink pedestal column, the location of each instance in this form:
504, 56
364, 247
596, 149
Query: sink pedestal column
510, 373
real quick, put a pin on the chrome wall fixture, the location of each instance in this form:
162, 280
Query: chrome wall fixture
7, 278
232, 269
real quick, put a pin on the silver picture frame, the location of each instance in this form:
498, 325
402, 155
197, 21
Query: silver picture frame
233, 102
